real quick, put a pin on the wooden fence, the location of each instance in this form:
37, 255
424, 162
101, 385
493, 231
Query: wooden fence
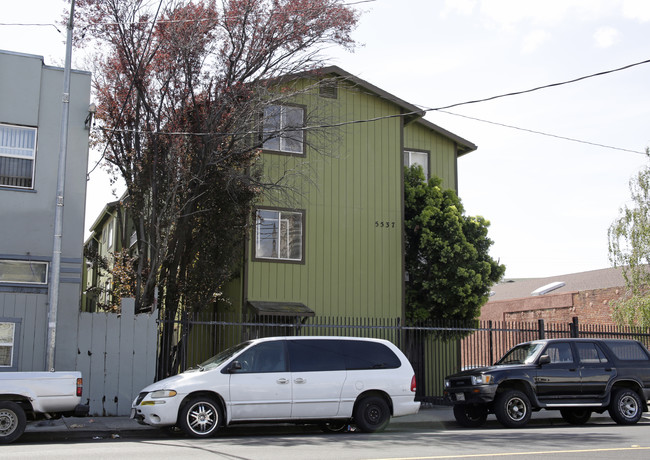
117, 358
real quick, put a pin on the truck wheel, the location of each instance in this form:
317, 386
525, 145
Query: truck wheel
372, 414
512, 408
200, 417
576, 415
626, 407
12, 421
470, 415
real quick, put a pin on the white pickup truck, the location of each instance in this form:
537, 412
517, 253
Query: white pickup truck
36, 395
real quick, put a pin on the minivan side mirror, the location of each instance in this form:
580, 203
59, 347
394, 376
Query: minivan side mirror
544, 359
234, 367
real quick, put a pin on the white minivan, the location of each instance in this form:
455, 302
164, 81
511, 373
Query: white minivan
331, 381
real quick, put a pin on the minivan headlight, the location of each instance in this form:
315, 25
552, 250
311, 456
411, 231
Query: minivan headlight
162, 394
483, 379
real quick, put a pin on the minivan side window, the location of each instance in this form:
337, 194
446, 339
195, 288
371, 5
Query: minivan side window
369, 355
263, 357
316, 355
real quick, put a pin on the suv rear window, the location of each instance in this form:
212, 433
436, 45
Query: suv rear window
628, 351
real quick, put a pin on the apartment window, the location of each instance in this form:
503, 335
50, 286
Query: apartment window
23, 272
414, 157
7, 343
282, 128
17, 154
279, 235
109, 240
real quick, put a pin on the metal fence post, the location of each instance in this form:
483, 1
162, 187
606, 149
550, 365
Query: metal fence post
400, 331
540, 328
574, 327
491, 342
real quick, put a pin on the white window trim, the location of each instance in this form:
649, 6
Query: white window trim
282, 135
409, 162
281, 220
15, 323
30, 156
31, 263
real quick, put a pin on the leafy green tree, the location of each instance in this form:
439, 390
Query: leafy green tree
629, 248
449, 268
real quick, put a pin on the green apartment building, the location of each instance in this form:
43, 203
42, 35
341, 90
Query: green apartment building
332, 243
335, 246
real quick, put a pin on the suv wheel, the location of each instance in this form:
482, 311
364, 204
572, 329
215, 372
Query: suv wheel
576, 415
470, 415
200, 417
372, 414
626, 407
512, 408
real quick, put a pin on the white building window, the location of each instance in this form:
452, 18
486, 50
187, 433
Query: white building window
17, 155
7, 341
279, 235
283, 129
23, 272
412, 157
109, 240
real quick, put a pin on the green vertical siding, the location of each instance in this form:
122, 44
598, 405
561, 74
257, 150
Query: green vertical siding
353, 263
352, 267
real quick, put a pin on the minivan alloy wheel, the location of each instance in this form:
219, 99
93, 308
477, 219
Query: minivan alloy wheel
200, 417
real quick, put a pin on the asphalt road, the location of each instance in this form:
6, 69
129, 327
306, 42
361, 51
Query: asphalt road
547, 437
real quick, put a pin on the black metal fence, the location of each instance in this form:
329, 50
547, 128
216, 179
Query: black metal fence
434, 349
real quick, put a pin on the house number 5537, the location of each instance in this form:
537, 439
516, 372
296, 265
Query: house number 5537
384, 224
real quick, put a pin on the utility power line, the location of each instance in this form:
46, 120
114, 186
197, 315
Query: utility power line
541, 133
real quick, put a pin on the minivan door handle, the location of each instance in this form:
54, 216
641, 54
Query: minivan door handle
300, 380
283, 381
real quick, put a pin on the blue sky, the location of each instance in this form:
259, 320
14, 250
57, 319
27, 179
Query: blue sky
550, 200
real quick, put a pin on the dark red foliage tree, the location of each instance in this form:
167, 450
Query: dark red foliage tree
180, 88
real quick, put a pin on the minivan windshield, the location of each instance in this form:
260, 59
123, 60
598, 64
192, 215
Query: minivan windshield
219, 358
521, 354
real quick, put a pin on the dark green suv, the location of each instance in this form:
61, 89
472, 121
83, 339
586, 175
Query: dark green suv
575, 376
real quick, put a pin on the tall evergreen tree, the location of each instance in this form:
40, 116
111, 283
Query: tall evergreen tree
448, 264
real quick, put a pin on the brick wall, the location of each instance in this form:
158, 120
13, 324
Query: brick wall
591, 307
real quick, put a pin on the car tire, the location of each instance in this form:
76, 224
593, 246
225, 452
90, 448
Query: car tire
12, 421
576, 415
625, 407
200, 417
470, 415
372, 414
512, 408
